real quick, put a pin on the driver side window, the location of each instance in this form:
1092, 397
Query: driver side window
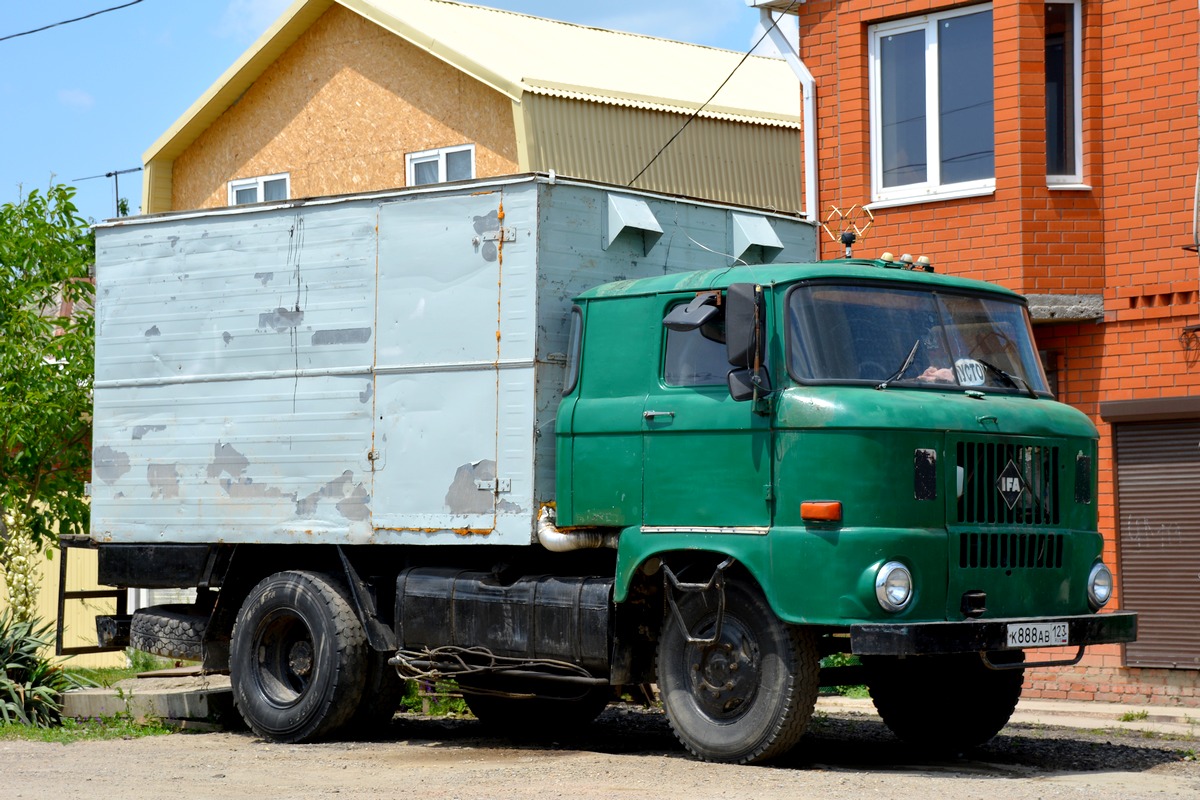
693, 359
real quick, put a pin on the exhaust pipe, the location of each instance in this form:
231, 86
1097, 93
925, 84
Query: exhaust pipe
558, 541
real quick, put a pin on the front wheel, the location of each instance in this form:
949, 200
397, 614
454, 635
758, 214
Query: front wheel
947, 703
297, 657
745, 697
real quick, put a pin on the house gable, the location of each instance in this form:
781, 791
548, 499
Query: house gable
338, 111
396, 77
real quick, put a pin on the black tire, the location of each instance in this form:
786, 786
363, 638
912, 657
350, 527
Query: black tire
944, 704
298, 658
538, 717
382, 692
171, 631
747, 697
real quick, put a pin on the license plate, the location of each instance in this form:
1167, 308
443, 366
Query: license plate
1037, 634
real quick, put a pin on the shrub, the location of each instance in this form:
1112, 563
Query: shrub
31, 685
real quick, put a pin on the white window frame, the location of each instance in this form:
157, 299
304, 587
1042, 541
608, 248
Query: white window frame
931, 188
1074, 181
258, 184
437, 154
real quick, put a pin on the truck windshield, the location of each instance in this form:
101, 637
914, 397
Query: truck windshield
842, 333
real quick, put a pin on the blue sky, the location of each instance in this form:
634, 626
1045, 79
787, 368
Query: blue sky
88, 98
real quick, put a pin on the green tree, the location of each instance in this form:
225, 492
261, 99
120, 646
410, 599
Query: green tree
46, 336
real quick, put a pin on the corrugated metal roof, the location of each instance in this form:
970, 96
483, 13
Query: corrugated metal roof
617, 98
515, 53
525, 51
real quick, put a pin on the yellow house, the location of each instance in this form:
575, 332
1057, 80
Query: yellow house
343, 96
78, 615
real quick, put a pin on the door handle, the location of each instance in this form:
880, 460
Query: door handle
653, 414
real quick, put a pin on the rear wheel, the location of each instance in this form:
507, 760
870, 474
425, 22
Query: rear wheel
298, 657
947, 703
747, 696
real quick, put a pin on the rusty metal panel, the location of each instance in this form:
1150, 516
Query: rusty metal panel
1158, 512
233, 376
438, 364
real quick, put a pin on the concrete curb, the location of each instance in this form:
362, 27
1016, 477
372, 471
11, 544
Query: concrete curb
173, 698
1165, 720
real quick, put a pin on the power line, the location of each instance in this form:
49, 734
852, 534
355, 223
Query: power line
728, 78
68, 21
116, 176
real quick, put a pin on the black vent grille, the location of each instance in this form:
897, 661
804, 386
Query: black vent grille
1010, 550
1005, 483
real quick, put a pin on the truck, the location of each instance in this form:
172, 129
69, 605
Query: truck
558, 440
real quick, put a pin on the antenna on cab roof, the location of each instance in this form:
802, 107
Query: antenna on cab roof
847, 223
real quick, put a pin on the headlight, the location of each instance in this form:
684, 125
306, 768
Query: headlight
1100, 586
893, 586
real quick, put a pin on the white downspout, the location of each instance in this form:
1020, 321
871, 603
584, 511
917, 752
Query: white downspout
808, 86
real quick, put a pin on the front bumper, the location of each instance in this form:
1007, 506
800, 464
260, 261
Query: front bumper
984, 635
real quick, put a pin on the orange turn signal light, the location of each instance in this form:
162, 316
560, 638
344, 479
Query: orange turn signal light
821, 511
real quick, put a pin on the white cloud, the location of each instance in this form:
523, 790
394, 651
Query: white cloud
249, 19
76, 98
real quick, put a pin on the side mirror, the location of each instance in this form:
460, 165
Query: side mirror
745, 326
701, 311
744, 382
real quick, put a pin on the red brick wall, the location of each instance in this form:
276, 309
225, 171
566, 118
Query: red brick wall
1122, 238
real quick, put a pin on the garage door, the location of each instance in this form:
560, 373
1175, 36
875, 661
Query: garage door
1158, 508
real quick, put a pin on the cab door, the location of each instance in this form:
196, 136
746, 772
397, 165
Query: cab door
706, 458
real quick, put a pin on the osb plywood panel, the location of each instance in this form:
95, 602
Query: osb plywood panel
339, 111
712, 159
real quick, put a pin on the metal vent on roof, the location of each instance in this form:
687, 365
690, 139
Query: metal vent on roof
630, 217
753, 238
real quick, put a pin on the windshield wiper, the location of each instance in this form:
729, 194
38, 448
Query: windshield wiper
912, 354
1015, 381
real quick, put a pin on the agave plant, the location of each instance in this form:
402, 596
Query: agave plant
31, 685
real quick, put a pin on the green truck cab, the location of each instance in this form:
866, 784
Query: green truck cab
852, 456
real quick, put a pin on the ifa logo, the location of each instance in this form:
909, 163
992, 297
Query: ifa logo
1011, 485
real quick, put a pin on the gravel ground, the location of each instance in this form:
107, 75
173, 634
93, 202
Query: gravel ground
628, 752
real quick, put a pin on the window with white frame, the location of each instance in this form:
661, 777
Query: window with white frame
1064, 95
932, 106
265, 188
441, 165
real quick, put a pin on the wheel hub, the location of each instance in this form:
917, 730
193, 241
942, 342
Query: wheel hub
300, 659
724, 673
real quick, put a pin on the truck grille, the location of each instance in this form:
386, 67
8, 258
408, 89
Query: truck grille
1010, 550
1004, 483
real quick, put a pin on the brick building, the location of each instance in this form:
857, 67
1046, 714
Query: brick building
1050, 147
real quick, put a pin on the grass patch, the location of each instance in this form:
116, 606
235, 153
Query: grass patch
438, 699
1134, 716
70, 731
843, 660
